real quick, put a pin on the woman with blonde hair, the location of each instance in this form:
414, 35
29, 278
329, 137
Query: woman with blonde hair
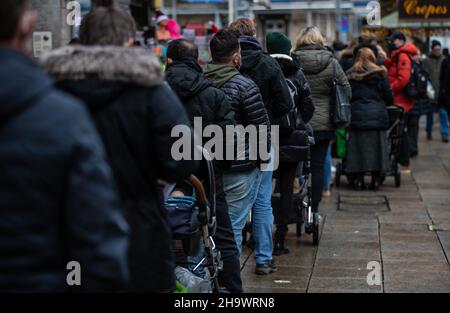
320, 69
367, 149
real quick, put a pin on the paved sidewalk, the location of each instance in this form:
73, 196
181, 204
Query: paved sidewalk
408, 235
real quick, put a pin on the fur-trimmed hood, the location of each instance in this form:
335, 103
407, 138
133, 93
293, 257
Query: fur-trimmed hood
288, 65
107, 63
353, 75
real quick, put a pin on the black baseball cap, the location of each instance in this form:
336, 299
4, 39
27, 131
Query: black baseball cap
397, 35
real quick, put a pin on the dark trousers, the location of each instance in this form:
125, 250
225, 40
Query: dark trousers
403, 155
230, 277
287, 173
318, 155
413, 134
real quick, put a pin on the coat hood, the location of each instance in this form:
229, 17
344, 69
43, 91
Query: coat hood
251, 51
186, 78
408, 48
288, 65
109, 63
364, 75
98, 75
22, 81
219, 74
313, 59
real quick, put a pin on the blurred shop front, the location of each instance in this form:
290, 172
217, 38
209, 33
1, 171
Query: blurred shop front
421, 20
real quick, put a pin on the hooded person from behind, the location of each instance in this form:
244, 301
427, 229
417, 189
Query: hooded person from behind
135, 112
367, 148
241, 182
58, 198
294, 146
204, 100
263, 70
321, 69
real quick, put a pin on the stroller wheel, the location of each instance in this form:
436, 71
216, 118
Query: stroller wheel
398, 177
316, 230
338, 174
299, 229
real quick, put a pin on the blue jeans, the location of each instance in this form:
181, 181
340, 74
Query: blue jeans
240, 194
443, 116
327, 177
262, 219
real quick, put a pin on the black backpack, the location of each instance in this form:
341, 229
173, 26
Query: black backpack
417, 86
288, 123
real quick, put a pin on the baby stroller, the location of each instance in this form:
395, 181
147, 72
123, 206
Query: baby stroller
306, 220
302, 215
192, 219
394, 136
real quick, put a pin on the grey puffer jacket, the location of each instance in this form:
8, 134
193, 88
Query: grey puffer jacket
317, 63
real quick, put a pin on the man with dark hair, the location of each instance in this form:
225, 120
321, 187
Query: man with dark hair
433, 64
268, 76
181, 48
202, 99
135, 112
57, 195
242, 180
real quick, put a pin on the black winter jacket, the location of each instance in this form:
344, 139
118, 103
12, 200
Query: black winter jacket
58, 200
423, 104
294, 145
135, 114
371, 93
444, 85
198, 94
245, 98
201, 99
292, 71
266, 73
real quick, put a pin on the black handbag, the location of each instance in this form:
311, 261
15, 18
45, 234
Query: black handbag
340, 104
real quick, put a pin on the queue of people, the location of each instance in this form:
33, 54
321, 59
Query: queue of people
86, 146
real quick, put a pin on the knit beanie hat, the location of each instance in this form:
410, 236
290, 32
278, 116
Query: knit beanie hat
278, 43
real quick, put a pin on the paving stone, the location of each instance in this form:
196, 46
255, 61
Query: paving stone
274, 289
435, 266
430, 255
403, 229
338, 253
343, 263
344, 284
417, 282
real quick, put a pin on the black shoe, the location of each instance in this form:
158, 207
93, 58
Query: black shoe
445, 138
429, 136
265, 269
280, 246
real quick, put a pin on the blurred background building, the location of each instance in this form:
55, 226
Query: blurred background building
338, 19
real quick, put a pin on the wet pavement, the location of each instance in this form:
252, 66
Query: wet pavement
405, 230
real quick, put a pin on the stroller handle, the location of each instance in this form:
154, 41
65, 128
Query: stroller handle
199, 189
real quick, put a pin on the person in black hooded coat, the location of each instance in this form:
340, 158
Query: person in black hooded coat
293, 142
134, 112
58, 200
202, 99
263, 70
367, 147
